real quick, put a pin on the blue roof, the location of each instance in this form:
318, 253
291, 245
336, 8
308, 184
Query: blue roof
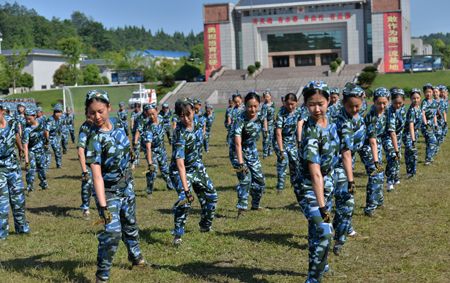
165, 53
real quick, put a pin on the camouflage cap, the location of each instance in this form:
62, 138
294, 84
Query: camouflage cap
381, 92
30, 112
121, 104
58, 108
165, 105
99, 94
149, 106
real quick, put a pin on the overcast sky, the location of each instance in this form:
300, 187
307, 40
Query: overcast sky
427, 16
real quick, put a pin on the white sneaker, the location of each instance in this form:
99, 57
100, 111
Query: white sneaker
397, 182
390, 187
352, 234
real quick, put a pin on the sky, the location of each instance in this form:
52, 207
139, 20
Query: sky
186, 15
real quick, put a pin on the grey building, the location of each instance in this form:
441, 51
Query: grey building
290, 33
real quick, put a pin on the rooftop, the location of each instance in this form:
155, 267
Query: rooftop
245, 4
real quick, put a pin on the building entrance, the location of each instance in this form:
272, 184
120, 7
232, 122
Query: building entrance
280, 61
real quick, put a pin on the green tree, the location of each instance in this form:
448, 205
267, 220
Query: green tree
71, 48
187, 72
25, 80
63, 76
4, 78
198, 52
91, 75
15, 64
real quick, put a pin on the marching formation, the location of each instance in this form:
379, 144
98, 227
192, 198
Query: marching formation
317, 142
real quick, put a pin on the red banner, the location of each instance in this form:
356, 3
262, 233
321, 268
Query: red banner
393, 50
212, 48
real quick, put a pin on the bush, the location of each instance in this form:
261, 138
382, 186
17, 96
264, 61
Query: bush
372, 69
366, 78
257, 65
105, 80
168, 80
187, 72
339, 60
333, 66
91, 75
25, 80
251, 69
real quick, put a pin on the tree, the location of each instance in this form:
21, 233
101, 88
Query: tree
198, 52
187, 72
15, 65
71, 48
63, 76
26, 80
91, 75
4, 79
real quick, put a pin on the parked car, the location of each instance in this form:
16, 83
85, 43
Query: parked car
142, 96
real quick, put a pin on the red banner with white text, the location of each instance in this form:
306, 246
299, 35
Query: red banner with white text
393, 50
212, 48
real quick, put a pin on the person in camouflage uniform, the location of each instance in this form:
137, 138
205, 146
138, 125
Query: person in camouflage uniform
108, 154
202, 123
238, 108
20, 117
268, 118
87, 189
444, 100
429, 109
189, 173
227, 120
65, 120
319, 151
141, 123
40, 115
153, 138
364, 107
352, 132
70, 122
392, 148
334, 109
134, 117
166, 115
244, 155
287, 138
410, 134
209, 117
122, 115
442, 115
378, 124
54, 127
35, 140
11, 185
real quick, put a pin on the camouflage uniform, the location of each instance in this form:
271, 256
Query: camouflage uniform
123, 117
234, 114
70, 122
154, 135
140, 125
428, 130
185, 146
363, 109
441, 132
319, 146
376, 127
21, 122
54, 129
268, 113
11, 185
87, 187
414, 115
287, 122
334, 111
352, 133
208, 123
34, 137
253, 180
135, 120
166, 117
228, 127
201, 120
64, 132
111, 150
393, 165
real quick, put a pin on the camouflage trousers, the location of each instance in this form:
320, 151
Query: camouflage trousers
199, 182
64, 140
319, 232
345, 204
87, 190
440, 133
55, 143
393, 166
122, 205
72, 134
125, 127
430, 142
374, 189
168, 130
290, 157
268, 141
12, 194
159, 160
410, 154
206, 140
252, 181
38, 162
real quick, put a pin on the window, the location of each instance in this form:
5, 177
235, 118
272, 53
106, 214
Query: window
305, 41
43, 86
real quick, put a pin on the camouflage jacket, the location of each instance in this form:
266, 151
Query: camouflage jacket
186, 146
268, 112
8, 158
287, 122
378, 126
414, 115
54, 127
34, 137
351, 132
430, 108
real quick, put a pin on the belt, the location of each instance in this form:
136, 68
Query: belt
115, 186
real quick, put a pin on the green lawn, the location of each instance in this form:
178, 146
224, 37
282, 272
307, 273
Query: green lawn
407, 242
47, 98
405, 80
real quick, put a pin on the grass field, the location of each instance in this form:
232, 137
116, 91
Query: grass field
47, 98
407, 242
406, 80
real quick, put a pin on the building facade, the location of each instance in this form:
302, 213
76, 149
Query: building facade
290, 33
